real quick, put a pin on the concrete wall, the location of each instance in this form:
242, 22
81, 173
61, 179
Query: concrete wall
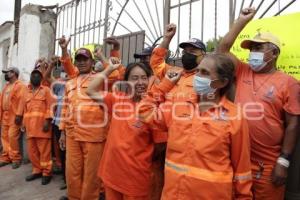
36, 37
5, 40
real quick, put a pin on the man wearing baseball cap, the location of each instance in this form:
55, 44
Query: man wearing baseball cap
37, 103
270, 99
10, 123
144, 56
83, 128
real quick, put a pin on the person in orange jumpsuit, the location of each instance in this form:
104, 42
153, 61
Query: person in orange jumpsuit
193, 52
159, 159
10, 123
36, 108
128, 153
271, 102
208, 151
83, 126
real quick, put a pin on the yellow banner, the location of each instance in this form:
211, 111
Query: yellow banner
287, 29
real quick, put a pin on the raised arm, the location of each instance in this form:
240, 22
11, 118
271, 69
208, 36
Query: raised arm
66, 61
228, 40
152, 108
157, 60
93, 91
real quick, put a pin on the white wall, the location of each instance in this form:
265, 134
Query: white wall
5, 38
28, 45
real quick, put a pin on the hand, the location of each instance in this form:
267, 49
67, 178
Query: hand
62, 141
63, 42
279, 175
54, 61
18, 120
41, 64
173, 75
114, 42
247, 14
98, 53
114, 63
170, 31
46, 126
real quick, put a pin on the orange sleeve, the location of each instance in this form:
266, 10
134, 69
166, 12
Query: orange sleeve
291, 98
240, 158
119, 73
20, 101
159, 133
49, 103
157, 62
21, 105
115, 53
109, 100
0, 107
69, 68
152, 109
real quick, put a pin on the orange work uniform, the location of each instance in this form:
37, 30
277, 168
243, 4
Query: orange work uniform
37, 107
127, 159
85, 126
268, 96
208, 154
10, 132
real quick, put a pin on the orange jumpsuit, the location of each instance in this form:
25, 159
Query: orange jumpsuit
208, 154
10, 132
85, 125
268, 97
37, 107
128, 153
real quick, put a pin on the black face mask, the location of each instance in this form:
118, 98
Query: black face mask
36, 81
6, 77
189, 61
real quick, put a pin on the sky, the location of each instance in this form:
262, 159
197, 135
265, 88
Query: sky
7, 9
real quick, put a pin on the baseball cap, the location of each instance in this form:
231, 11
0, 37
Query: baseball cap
193, 42
261, 38
145, 52
84, 52
13, 69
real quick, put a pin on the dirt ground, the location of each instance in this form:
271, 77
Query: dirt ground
14, 187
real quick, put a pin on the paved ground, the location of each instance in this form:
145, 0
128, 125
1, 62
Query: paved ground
14, 187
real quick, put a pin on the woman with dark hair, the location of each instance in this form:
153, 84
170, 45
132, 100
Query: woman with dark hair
208, 155
125, 167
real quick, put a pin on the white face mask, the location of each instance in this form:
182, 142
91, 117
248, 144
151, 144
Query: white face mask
202, 86
256, 61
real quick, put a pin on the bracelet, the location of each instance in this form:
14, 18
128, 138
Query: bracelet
284, 162
286, 156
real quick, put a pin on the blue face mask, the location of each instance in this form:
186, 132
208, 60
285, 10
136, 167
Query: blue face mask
202, 86
256, 61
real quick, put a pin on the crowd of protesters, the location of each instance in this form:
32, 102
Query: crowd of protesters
215, 128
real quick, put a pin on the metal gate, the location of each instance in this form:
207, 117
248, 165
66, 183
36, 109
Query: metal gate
90, 21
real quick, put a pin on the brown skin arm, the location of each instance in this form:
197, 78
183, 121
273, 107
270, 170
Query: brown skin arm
63, 43
289, 142
170, 31
228, 40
